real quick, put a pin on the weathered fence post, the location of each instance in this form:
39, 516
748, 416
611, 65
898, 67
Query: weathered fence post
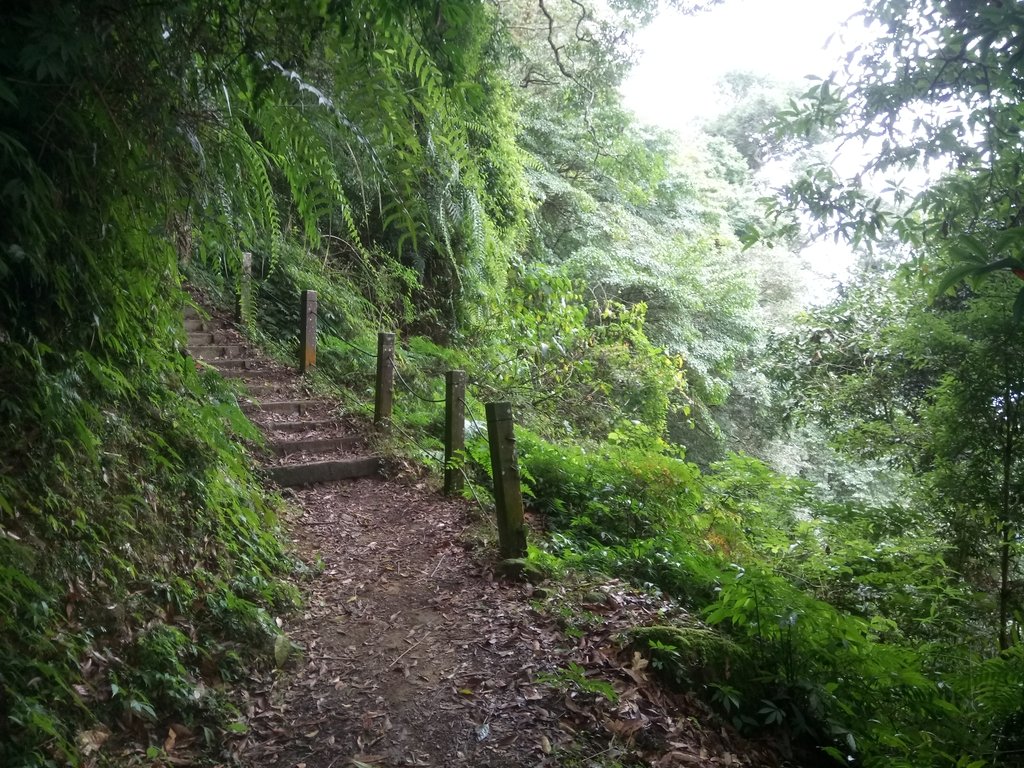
454, 427
307, 355
508, 497
385, 379
243, 300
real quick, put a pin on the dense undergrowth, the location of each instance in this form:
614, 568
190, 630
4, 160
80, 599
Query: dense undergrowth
465, 174
141, 566
836, 624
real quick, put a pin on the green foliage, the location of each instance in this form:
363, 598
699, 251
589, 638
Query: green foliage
109, 550
574, 678
639, 222
924, 389
685, 655
832, 622
949, 107
609, 495
748, 121
845, 366
129, 514
539, 351
594, 357
585, 268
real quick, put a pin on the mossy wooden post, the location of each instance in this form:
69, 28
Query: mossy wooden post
385, 379
508, 497
307, 354
243, 300
454, 427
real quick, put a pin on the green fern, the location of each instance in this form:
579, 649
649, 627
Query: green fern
255, 159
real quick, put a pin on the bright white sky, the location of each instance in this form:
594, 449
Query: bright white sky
683, 58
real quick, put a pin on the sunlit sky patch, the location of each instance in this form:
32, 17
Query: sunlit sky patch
675, 81
683, 57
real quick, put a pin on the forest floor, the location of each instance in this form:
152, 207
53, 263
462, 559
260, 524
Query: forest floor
415, 654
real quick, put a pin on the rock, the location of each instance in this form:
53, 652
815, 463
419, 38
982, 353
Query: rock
521, 569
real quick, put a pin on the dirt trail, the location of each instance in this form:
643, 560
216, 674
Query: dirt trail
412, 653
416, 656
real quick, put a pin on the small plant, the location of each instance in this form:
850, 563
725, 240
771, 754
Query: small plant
684, 655
574, 678
726, 696
666, 659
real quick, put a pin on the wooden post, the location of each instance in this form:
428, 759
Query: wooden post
307, 354
243, 300
508, 497
385, 379
454, 427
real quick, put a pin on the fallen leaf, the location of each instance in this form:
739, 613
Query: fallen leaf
83, 691
625, 729
365, 761
91, 741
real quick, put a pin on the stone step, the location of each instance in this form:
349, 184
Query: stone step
257, 390
210, 341
291, 475
253, 374
218, 351
287, 407
199, 325
202, 338
239, 373
224, 364
291, 427
316, 445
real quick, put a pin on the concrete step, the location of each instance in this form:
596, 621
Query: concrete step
287, 407
291, 475
310, 473
316, 445
218, 351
